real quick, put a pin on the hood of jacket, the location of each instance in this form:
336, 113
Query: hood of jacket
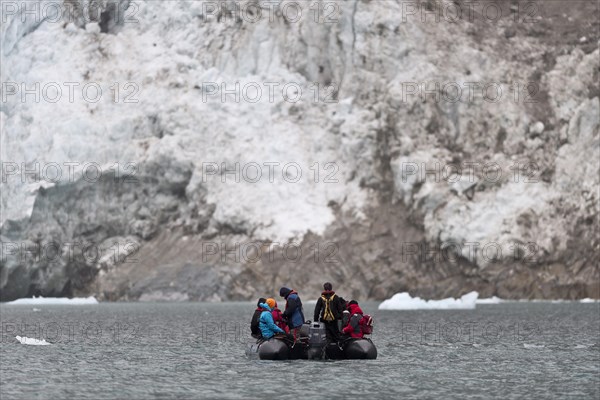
285, 292
354, 309
265, 307
327, 293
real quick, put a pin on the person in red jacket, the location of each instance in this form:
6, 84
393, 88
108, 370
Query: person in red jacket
353, 328
277, 315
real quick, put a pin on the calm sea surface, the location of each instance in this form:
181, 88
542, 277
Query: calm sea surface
196, 350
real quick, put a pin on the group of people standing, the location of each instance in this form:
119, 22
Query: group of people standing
342, 319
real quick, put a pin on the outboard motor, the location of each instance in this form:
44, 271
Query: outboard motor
305, 329
345, 318
317, 340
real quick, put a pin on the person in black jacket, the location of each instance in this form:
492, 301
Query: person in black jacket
329, 310
255, 319
293, 313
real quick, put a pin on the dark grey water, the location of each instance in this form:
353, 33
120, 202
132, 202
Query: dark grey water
144, 351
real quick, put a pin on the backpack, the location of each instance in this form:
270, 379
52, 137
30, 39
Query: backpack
278, 319
327, 311
366, 324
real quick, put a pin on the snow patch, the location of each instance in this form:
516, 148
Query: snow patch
403, 301
55, 300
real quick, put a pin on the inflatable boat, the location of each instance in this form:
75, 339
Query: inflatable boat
312, 345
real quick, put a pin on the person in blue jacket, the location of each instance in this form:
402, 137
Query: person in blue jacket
293, 312
267, 326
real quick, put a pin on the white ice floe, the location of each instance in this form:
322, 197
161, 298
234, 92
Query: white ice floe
403, 301
490, 300
551, 301
588, 300
32, 341
55, 300
533, 346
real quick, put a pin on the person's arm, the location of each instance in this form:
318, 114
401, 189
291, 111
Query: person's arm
318, 310
291, 305
341, 305
254, 323
348, 329
352, 325
355, 320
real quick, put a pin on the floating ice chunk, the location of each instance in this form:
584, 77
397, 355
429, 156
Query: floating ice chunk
403, 301
533, 346
36, 309
55, 300
555, 301
490, 300
32, 341
588, 300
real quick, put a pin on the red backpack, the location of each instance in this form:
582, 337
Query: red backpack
278, 319
366, 324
